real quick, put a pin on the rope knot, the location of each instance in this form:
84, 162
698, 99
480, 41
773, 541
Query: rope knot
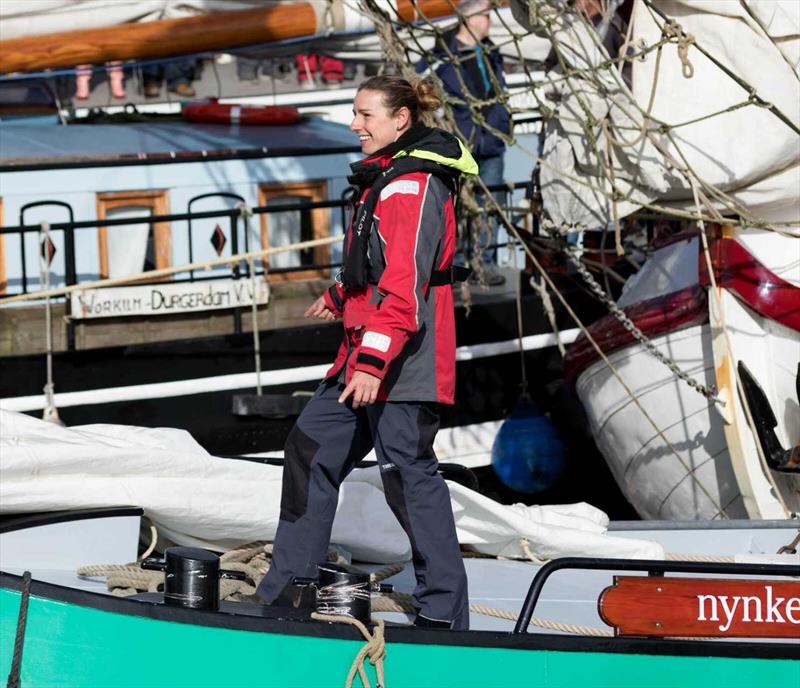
673, 30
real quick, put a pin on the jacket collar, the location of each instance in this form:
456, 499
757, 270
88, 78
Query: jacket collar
416, 133
419, 141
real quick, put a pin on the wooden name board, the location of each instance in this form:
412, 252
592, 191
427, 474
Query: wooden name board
167, 299
709, 607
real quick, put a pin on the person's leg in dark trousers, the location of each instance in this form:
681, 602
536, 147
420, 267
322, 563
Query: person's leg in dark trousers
328, 439
152, 76
403, 433
179, 72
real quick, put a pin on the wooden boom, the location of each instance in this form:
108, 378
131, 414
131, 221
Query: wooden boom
184, 36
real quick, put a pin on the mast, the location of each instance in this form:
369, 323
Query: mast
189, 35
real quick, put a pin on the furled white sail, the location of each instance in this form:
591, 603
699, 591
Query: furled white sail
21, 18
699, 116
197, 499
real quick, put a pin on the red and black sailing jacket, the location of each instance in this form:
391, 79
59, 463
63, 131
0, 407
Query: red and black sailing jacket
397, 325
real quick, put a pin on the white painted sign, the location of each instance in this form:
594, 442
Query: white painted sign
167, 299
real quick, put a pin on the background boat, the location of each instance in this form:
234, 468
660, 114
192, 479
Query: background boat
662, 377
688, 468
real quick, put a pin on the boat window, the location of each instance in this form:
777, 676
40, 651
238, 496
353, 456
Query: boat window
137, 247
283, 228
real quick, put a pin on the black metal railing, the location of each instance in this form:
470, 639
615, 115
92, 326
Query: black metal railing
234, 215
70, 227
649, 566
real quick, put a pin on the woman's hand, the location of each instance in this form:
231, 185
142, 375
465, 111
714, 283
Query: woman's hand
364, 388
319, 309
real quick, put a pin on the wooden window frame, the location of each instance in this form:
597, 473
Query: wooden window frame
158, 201
316, 191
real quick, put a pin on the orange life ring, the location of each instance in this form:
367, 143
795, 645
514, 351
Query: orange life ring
213, 112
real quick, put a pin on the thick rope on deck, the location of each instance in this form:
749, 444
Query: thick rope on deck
125, 579
253, 559
374, 648
671, 556
386, 572
402, 603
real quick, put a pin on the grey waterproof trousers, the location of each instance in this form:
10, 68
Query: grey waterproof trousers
328, 439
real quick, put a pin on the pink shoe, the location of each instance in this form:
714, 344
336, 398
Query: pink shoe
115, 79
83, 74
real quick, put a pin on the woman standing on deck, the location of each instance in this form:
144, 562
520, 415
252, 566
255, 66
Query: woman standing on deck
396, 362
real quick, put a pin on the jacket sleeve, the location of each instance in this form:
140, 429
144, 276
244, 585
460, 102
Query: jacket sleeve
410, 222
334, 299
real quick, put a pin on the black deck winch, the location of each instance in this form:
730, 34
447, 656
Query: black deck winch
191, 577
342, 590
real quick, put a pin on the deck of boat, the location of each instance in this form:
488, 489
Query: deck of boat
53, 546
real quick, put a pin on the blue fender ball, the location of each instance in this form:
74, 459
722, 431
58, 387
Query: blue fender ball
527, 454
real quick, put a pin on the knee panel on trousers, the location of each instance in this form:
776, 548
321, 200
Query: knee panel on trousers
299, 453
428, 425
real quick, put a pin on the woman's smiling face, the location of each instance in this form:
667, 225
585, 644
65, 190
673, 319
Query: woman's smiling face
375, 125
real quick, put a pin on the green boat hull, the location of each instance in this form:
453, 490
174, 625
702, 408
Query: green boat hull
83, 640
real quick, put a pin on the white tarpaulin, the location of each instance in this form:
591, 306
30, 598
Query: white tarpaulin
197, 499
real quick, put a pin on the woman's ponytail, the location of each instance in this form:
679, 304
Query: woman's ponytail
418, 95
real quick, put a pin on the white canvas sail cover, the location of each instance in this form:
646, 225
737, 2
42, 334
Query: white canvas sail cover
747, 152
197, 499
22, 18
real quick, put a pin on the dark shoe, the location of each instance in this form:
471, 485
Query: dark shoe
425, 622
183, 90
297, 597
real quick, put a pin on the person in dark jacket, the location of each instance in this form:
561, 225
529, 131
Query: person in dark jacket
465, 57
396, 362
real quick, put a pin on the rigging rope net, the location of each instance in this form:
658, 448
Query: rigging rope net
613, 155
582, 73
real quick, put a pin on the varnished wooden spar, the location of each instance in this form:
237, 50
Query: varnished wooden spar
184, 36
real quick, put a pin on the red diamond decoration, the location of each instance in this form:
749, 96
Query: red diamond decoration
218, 240
48, 250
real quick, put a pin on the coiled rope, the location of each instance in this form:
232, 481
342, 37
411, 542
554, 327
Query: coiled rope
403, 603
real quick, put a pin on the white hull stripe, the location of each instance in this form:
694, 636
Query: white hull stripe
269, 378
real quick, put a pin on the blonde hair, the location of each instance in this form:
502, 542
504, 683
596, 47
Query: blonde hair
418, 95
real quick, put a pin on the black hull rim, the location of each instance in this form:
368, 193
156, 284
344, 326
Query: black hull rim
22, 521
489, 639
